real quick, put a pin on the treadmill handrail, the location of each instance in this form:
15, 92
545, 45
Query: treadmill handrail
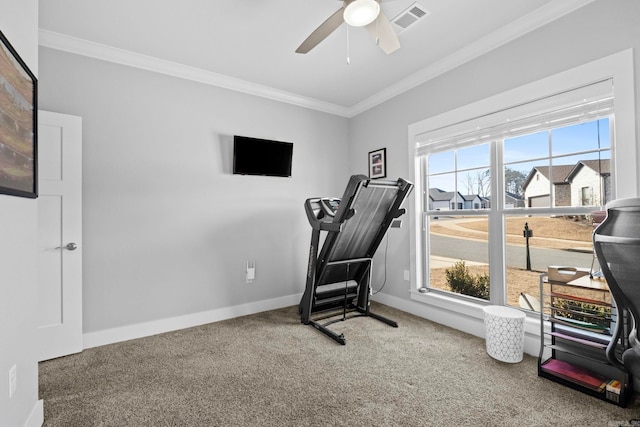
334, 227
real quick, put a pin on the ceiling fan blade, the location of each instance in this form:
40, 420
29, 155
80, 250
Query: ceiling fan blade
382, 31
322, 32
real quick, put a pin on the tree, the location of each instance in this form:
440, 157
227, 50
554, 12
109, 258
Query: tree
513, 181
480, 183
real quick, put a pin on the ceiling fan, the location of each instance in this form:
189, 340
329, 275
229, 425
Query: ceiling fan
357, 13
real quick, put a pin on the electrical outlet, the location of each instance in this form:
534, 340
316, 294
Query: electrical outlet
13, 381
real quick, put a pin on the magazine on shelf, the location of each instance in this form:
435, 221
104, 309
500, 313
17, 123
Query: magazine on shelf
576, 374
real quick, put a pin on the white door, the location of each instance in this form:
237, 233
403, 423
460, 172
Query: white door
59, 235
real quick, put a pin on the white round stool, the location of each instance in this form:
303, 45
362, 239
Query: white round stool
504, 332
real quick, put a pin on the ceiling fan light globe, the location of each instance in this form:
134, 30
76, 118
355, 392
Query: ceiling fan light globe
359, 13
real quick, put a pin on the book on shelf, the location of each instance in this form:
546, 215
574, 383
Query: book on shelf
576, 374
582, 324
591, 335
613, 390
587, 342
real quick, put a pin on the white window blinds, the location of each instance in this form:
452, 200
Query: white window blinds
582, 104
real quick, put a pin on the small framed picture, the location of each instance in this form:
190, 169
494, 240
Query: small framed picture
378, 163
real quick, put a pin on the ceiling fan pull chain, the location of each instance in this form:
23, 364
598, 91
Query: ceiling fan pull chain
348, 58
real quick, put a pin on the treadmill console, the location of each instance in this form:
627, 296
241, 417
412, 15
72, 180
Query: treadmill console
330, 205
321, 210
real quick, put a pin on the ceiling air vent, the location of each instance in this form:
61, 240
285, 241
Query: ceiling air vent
410, 16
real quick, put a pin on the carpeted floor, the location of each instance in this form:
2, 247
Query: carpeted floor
270, 370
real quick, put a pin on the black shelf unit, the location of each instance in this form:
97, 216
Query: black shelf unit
575, 331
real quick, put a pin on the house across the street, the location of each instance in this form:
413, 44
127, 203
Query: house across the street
584, 183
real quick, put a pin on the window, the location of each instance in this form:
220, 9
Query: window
564, 166
587, 196
504, 213
455, 178
505, 195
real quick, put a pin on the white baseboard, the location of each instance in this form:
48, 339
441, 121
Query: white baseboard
36, 418
468, 324
140, 330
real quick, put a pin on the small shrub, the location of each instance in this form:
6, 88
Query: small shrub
462, 282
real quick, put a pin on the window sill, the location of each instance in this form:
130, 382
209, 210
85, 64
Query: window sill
467, 316
459, 306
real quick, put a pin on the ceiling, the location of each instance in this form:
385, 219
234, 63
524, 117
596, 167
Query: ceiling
249, 45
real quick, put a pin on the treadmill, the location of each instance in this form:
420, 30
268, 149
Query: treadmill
339, 275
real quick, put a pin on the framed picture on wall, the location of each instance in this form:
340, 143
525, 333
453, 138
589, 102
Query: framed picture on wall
18, 131
378, 163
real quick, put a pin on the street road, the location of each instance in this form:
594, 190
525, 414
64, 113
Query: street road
474, 250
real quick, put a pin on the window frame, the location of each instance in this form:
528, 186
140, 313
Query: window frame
619, 68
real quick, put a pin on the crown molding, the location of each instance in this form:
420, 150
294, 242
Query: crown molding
536, 19
530, 22
78, 46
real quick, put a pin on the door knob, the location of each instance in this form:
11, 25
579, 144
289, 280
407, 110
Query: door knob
69, 246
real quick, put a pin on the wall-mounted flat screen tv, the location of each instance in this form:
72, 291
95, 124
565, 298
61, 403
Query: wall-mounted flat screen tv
255, 156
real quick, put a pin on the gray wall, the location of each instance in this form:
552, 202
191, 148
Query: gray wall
167, 227
592, 32
18, 228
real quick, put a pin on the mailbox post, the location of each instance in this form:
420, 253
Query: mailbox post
527, 233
